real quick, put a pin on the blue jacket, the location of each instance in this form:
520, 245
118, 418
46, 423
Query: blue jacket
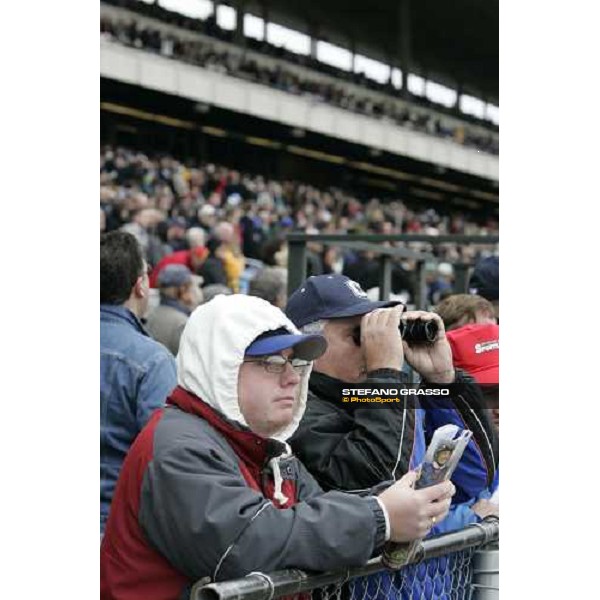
136, 376
461, 515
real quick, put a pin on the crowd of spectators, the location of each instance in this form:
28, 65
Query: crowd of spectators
254, 427
201, 394
186, 212
171, 222
129, 32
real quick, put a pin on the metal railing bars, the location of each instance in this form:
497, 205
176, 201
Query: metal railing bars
260, 586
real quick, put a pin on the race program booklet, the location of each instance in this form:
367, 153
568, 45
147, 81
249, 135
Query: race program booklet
443, 454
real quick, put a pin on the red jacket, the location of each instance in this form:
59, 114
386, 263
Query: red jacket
125, 548
186, 507
182, 257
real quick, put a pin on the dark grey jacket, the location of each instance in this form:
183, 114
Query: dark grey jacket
206, 508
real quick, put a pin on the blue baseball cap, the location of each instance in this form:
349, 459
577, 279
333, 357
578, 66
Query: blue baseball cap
485, 280
306, 347
330, 297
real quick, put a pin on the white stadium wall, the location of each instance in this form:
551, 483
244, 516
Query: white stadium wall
151, 71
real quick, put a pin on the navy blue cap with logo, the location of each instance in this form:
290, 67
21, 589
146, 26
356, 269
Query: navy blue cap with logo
330, 297
485, 278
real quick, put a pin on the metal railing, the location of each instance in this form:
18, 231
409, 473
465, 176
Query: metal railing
458, 548
297, 257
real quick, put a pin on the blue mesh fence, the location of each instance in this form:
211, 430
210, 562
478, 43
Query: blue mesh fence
462, 565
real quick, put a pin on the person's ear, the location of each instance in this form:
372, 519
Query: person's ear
182, 292
138, 288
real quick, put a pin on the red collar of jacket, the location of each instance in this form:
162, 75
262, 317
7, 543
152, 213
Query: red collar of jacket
251, 448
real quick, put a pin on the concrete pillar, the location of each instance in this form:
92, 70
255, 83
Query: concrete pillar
265, 16
313, 47
459, 91
353, 52
239, 24
404, 43
313, 32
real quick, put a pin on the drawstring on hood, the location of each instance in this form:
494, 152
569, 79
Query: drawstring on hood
211, 352
274, 464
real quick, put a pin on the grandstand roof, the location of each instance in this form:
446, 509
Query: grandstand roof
454, 43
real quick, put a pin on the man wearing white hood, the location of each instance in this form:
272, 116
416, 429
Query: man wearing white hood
210, 488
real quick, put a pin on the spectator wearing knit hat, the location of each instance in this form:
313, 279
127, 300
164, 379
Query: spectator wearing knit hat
179, 296
485, 281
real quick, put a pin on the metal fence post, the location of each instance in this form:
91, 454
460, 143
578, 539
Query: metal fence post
421, 291
297, 267
461, 280
385, 276
296, 264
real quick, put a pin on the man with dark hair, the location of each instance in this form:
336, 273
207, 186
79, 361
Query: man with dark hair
136, 373
213, 268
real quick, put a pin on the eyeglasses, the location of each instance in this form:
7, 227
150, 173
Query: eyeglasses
276, 364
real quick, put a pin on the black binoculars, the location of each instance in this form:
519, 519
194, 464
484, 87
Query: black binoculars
413, 332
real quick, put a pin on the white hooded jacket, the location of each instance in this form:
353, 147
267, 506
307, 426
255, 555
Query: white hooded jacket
187, 496
212, 350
